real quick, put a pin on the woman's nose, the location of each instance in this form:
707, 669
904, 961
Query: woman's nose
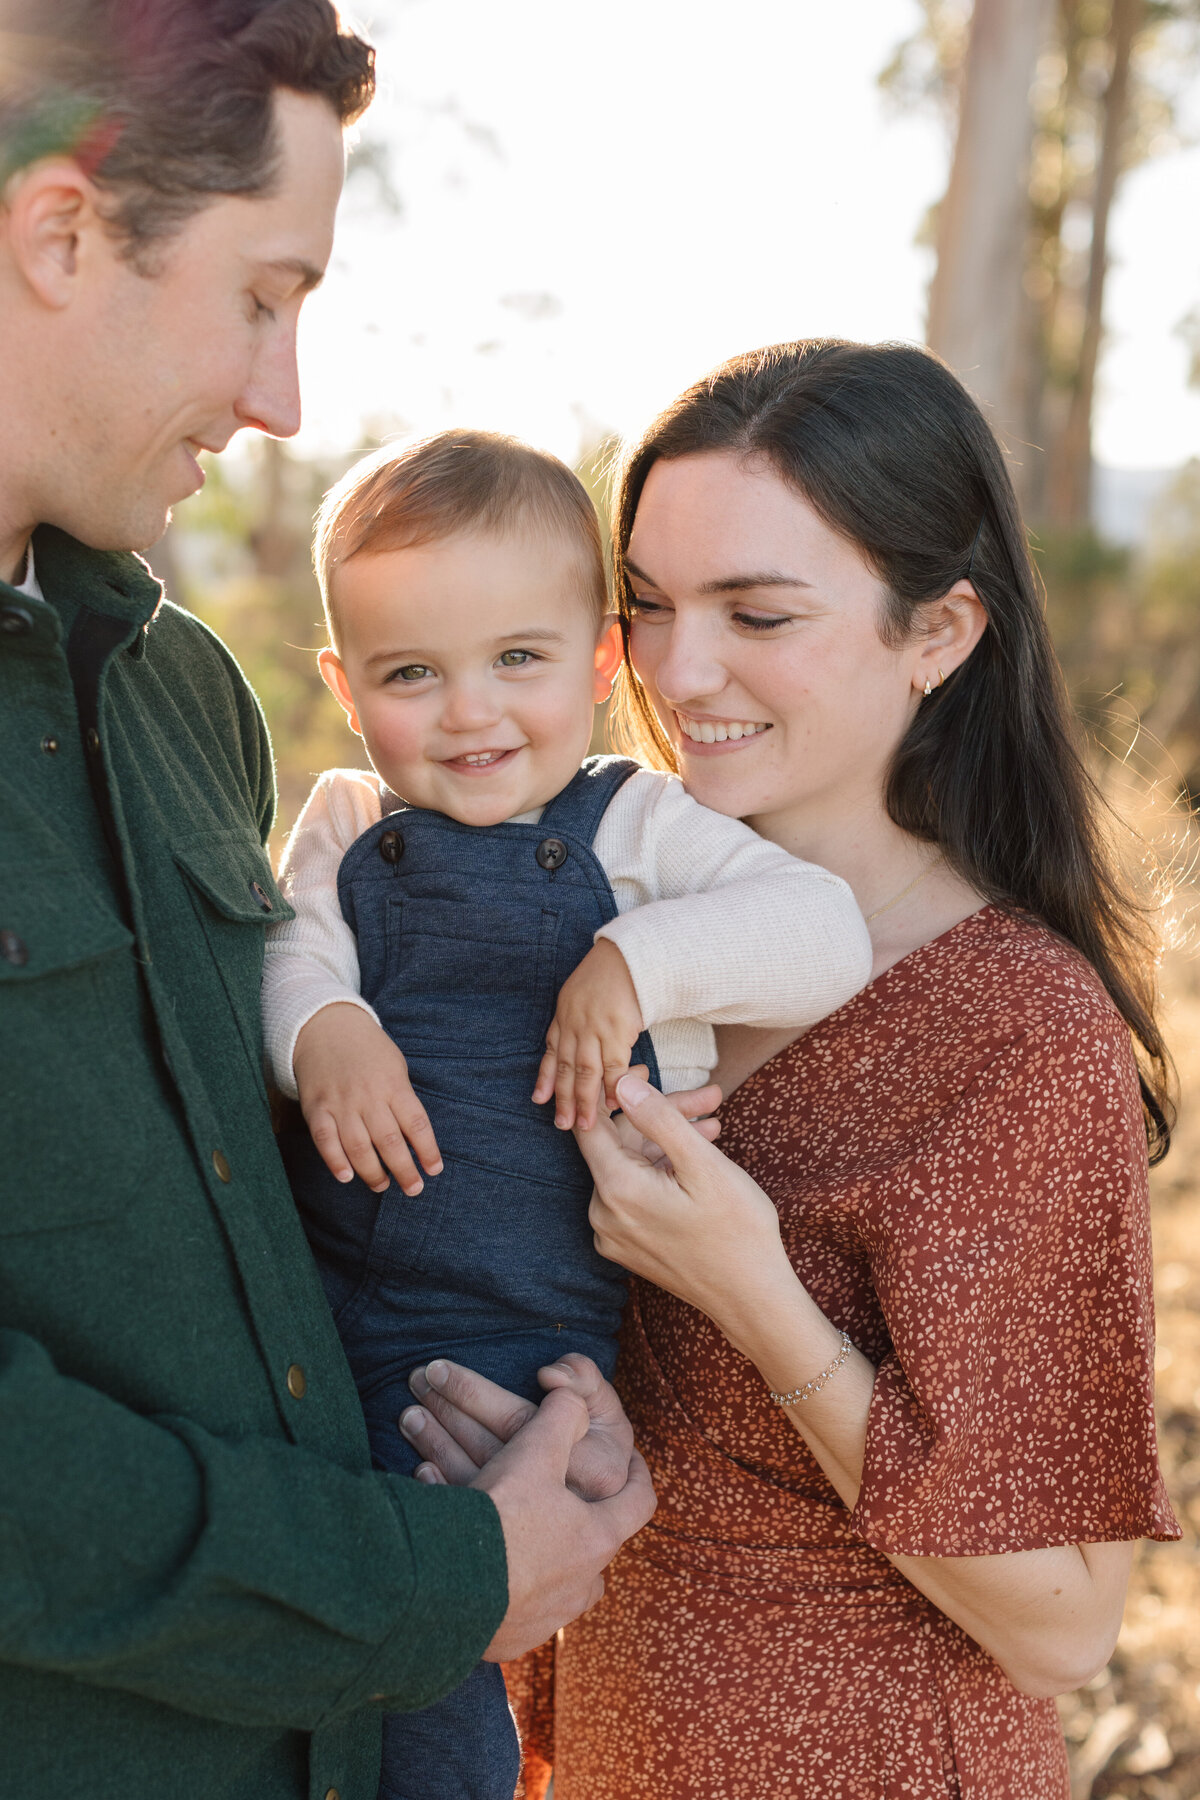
689, 668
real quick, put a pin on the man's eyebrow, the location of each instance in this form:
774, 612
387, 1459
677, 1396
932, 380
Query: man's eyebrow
735, 584
305, 274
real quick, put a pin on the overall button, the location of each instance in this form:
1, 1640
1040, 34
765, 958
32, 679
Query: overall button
92, 739
49, 745
13, 949
220, 1163
297, 1382
391, 847
552, 853
261, 895
15, 621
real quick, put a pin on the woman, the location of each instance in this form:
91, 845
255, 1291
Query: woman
899, 1413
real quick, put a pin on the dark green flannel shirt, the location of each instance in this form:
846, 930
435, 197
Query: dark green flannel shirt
206, 1592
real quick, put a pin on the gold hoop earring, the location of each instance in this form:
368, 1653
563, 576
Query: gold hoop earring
941, 679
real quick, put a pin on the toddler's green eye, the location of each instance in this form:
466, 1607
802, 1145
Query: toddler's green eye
413, 672
514, 659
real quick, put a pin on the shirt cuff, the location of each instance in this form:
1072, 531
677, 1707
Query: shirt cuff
458, 1600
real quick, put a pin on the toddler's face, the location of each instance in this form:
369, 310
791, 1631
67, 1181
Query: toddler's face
470, 669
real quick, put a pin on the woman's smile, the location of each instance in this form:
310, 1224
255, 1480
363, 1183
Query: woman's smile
707, 731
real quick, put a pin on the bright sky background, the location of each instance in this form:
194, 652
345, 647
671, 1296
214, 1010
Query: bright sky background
601, 201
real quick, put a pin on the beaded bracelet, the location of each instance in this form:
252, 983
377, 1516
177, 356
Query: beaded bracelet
818, 1381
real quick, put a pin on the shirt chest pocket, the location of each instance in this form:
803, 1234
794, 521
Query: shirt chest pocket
73, 1135
468, 980
235, 897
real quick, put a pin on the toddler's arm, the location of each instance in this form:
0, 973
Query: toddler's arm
716, 924
324, 1044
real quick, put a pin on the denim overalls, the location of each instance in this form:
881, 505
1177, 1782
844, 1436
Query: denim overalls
465, 935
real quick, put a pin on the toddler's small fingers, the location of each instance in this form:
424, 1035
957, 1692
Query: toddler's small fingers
414, 1122
361, 1151
589, 1077
392, 1147
325, 1135
547, 1069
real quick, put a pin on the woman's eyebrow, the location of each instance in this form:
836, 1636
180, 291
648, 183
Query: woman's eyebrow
733, 584
761, 578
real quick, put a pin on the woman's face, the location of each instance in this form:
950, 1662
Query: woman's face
756, 633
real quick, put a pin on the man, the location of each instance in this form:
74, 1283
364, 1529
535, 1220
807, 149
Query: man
205, 1589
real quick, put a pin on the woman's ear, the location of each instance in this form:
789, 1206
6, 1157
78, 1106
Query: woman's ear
610, 652
953, 626
334, 677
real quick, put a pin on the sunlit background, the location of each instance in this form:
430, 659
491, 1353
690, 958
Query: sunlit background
559, 215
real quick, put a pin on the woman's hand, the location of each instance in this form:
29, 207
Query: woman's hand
671, 1208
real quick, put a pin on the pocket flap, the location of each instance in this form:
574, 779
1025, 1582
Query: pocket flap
232, 872
53, 918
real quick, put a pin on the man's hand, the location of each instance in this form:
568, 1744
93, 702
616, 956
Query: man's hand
557, 1544
595, 1026
463, 1420
358, 1102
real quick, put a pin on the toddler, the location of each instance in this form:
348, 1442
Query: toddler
489, 922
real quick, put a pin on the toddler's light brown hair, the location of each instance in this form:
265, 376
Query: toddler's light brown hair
432, 488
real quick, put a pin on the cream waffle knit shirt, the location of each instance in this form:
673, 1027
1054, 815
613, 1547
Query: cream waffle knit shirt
717, 925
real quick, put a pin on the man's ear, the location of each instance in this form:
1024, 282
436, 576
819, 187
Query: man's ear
334, 677
609, 656
49, 211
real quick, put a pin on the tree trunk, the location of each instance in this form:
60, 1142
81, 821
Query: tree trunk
976, 304
1069, 480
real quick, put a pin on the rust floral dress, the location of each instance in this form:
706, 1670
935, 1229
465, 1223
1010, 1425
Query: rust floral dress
959, 1163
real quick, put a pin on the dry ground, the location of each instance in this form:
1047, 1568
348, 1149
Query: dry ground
1134, 1732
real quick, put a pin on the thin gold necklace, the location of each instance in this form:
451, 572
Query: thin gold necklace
904, 891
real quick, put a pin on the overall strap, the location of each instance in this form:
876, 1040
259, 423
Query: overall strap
578, 810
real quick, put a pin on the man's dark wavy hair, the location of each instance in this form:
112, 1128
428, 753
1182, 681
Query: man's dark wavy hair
167, 103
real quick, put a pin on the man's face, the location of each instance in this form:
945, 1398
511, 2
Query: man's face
164, 365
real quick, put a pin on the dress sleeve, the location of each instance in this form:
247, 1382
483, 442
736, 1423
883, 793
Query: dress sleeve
311, 961
1014, 1406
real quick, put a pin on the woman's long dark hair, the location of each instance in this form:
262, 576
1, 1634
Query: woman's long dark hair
891, 451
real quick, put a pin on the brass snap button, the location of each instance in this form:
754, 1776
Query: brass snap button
49, 745
297, 1382
551, 853
391, 847
220, 1163
261, 895
93, 739
13, 949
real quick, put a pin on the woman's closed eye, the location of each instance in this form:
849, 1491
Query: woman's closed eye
649, 610
754, 621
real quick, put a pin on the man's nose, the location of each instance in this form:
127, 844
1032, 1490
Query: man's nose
270, 401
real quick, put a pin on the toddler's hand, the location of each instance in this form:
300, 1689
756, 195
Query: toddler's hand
597, 1023
358, 1102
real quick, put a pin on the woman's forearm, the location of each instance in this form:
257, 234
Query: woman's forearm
1048, 1617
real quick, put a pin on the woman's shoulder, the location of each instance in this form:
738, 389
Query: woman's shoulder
1002, 965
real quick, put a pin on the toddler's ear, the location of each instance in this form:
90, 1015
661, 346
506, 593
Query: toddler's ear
609, 654
334, 677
